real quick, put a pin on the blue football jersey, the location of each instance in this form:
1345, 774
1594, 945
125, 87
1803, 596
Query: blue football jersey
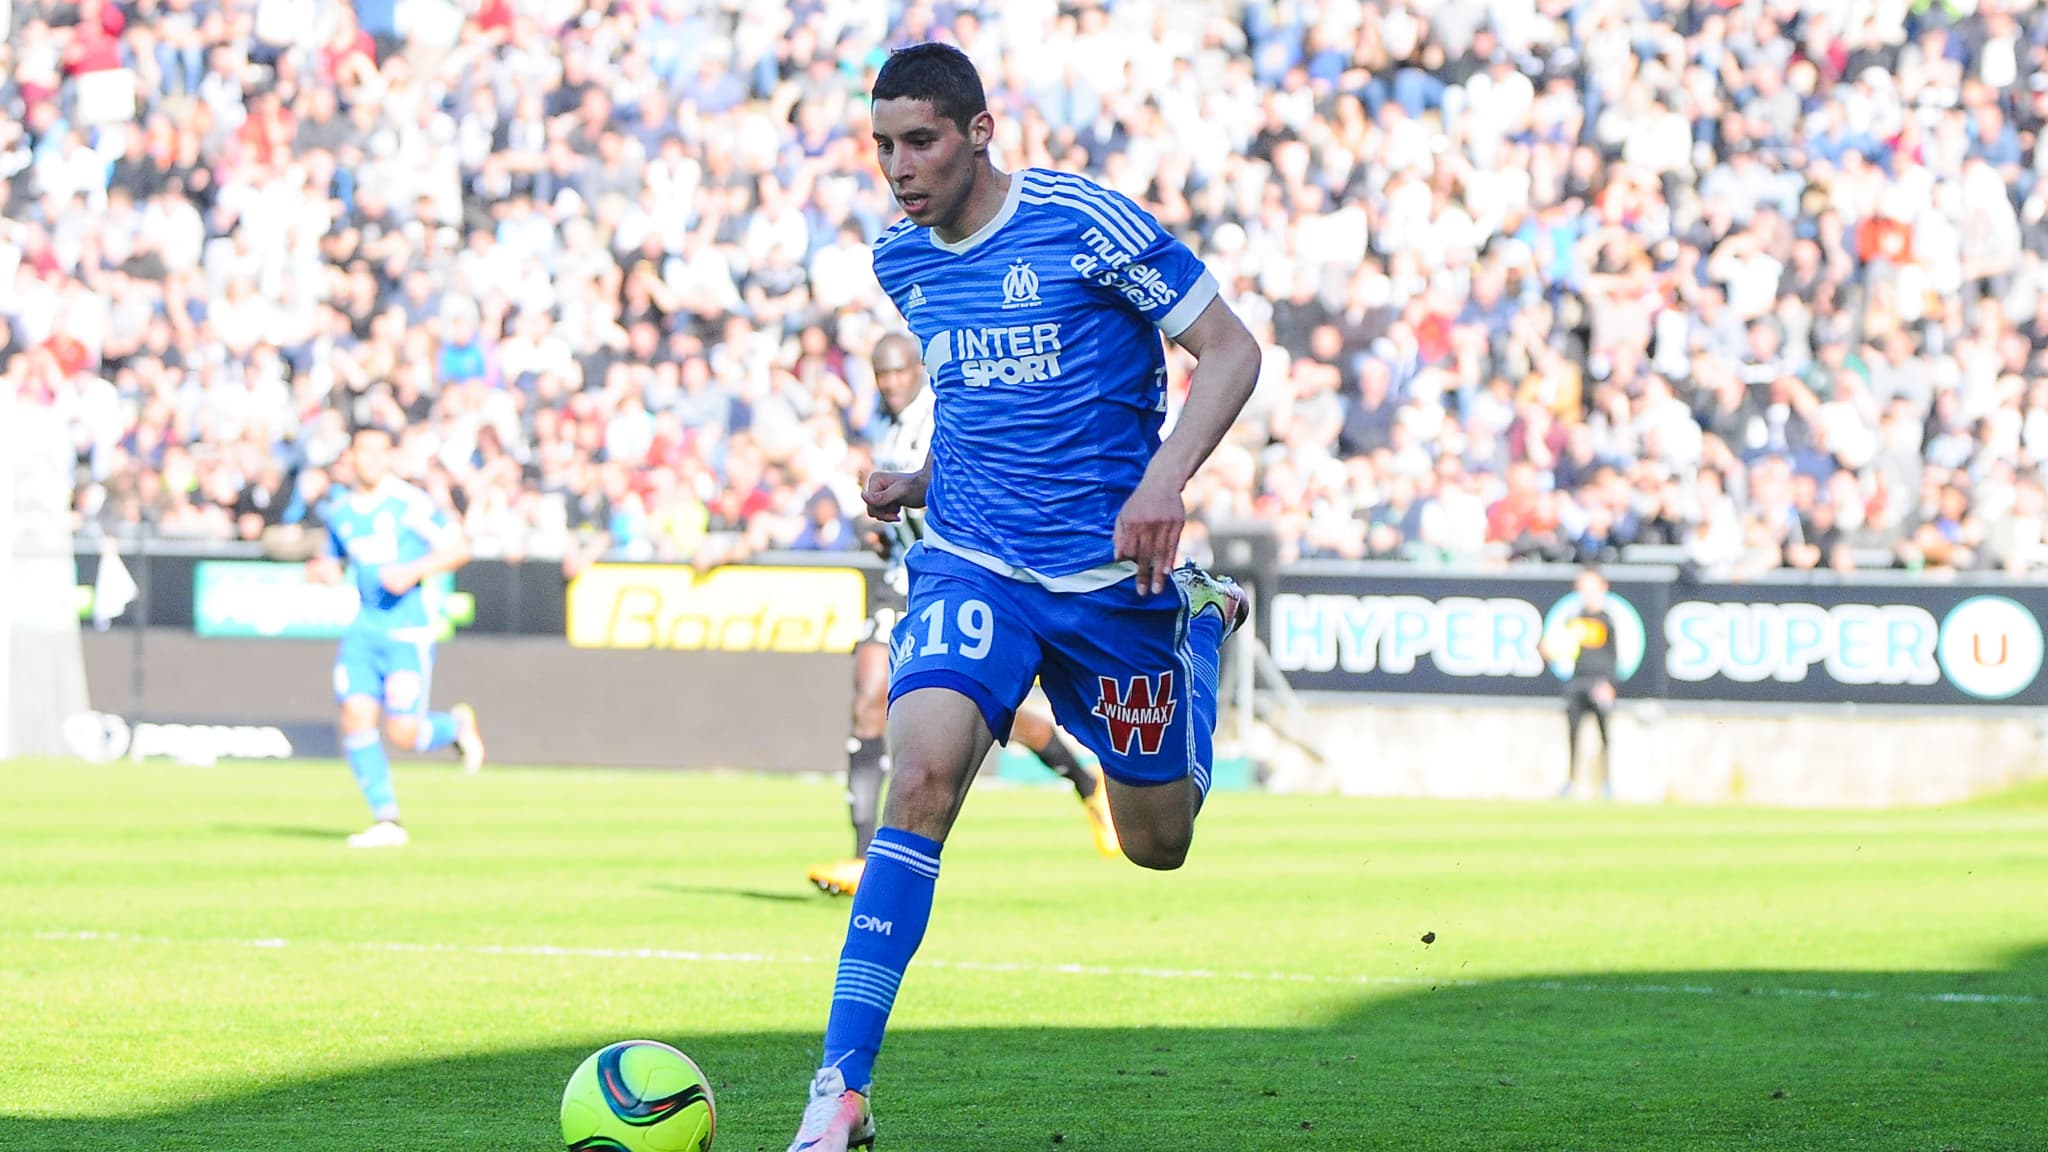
393, 523
1041, 336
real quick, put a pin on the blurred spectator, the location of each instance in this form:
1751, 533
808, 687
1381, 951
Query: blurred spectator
825, 527
1761, 283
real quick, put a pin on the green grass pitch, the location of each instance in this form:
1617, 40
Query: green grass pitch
190, 959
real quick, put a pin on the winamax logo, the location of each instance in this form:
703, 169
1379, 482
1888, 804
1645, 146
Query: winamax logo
1136, 712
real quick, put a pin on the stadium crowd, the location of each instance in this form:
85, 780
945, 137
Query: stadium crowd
1756, 281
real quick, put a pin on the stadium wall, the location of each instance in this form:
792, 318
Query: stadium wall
1842, 756
172, 693
1800, 689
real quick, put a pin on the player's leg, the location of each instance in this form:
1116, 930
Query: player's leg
408, 723
1134, 677
358, 688
867, 760
1036, 731
1577, 702
963, 659
938, 737
866, 752
1603, 707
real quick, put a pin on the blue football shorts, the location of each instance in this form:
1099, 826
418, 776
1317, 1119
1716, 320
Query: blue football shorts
397, 673
1132, 676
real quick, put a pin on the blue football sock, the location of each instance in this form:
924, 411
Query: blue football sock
373, 771
890, 912
437, 730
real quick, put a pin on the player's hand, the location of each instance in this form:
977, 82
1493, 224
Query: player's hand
1603, 694
323, 570
398, 579
876, 538
1148, 532
887, 494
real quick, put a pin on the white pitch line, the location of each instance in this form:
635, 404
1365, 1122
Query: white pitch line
1166, 974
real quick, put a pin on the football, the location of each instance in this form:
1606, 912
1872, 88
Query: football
638, 1096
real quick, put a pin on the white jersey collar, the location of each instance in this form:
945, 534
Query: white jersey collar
363, 498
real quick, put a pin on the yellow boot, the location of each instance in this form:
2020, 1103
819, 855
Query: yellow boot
840, 879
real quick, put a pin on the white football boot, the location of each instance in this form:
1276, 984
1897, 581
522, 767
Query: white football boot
837, 1118
382, 834
469, 738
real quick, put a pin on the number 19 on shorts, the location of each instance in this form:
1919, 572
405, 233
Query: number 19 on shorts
974, 622
940, 630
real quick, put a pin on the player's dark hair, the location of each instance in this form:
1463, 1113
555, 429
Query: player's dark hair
938, 74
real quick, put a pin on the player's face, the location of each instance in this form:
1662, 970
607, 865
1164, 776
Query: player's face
928, 160
898, 375
371, 456
1592, 592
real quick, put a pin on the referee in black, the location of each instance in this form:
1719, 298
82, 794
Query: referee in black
1586, 642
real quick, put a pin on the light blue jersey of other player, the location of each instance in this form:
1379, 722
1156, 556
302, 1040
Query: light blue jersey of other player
393, 523
392, 537
1047, 417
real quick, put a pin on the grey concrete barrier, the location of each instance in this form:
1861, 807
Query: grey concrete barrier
541, 701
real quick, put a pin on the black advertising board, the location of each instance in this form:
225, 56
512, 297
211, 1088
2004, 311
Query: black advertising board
1880, 642
1924, 644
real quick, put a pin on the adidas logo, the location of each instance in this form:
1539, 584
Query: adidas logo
915, 299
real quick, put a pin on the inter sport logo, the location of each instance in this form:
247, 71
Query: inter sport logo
1017, 354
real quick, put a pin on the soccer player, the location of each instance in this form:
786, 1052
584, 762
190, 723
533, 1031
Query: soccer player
1052, 513
902, 446
1586, 642
392, 537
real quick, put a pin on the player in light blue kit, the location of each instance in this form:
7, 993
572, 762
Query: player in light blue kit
1052, 515
392, 537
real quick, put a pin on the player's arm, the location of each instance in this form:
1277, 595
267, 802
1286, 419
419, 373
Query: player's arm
448, 550
1226, 369
324, 566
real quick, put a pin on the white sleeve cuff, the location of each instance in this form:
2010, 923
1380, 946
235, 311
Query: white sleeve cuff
1190, 307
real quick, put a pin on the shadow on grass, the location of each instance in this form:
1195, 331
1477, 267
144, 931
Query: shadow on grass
286, 831
813, 897
1905, 1062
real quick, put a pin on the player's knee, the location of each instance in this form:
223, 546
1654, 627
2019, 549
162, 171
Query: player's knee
1157, 852
923, 777
401, 730
924, 793
1159, 845
358, 714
